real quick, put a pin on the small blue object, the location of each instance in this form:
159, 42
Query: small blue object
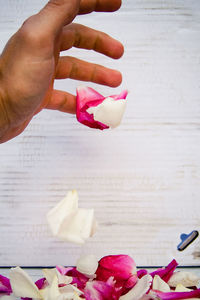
187, 239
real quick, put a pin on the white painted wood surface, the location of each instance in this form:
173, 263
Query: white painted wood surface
142, 179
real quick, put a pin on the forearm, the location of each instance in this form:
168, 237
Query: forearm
4, 121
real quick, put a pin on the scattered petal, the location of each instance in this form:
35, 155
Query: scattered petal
181, 288
87, 264
41, 283
176, 295
121, 267
96, 111
22, 285
5, 286
141, 273
187, 279
139, 290
166, 273
51, 292
160, 285
99, 290
49, 274
78, 278
64, 270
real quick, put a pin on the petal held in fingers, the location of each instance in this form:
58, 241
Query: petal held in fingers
88, 6
70, 67
79, 36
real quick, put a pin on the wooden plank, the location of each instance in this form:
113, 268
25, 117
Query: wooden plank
143, 179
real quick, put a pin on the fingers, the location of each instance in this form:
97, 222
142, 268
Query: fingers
70, 67
87, 6
84, 37
56, 14
62, 101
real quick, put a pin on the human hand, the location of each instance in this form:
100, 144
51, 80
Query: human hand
31, 62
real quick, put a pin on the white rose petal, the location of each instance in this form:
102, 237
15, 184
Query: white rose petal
187, 279
87, 264
160, 285
139, 290
181, 288
70, 223
22, 285
51, 292
63, 212
109, 112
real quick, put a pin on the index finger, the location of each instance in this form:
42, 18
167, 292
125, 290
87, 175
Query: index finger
88, 6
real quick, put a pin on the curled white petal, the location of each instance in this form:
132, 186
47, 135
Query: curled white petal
160, 285
109, 112
49, 274
87, 264
22, 285
51, 292
70, 223
139, 290
187, 279
61, 215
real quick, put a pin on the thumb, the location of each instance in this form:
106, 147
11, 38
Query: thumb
58, 13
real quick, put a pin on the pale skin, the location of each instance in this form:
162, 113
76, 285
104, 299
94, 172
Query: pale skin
31, 62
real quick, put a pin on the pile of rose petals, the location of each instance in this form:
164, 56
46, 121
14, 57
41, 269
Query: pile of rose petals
113, 277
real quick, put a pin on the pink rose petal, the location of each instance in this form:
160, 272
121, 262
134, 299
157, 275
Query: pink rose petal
121, 267
177, 295
166, 272
99, 290
5, 287
141, 273
78, 278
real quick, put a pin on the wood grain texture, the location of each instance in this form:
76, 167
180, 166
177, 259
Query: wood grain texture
142, 179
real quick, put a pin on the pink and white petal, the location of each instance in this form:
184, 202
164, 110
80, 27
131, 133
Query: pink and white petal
86, 94
122, 95
22, 285
92, 112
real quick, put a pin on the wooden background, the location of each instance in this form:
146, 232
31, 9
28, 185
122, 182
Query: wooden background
142, 179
